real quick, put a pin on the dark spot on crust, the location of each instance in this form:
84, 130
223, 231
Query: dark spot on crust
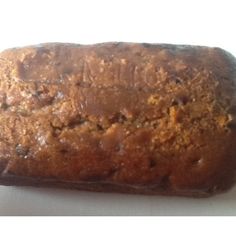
64, 151
38, 93
195, 161
178, 81
152, 163
21, 70
56, 131
82, 84
165, 182
4, 106
181, 101
174, 102
119, 149
3, 102
227, 130
118, 118
21, 151
99, 127
231, 125
213, 189
76, 121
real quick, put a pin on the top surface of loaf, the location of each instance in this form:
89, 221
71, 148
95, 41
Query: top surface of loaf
111, 66
118, 112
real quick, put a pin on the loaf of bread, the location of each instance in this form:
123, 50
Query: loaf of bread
119, 117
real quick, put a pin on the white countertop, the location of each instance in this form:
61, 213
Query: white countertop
43, 201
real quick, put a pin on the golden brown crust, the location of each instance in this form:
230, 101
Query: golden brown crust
139, 118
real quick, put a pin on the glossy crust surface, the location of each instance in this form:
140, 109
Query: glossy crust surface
124, 117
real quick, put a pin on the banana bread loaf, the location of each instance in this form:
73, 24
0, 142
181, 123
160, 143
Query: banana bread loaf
123, 117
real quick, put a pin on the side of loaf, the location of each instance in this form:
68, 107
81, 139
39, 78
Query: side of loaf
123, 117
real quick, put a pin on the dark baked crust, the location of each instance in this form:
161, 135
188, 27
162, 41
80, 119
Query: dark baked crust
138, 118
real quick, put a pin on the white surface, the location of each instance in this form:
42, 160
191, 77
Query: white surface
42, 201
202, 22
